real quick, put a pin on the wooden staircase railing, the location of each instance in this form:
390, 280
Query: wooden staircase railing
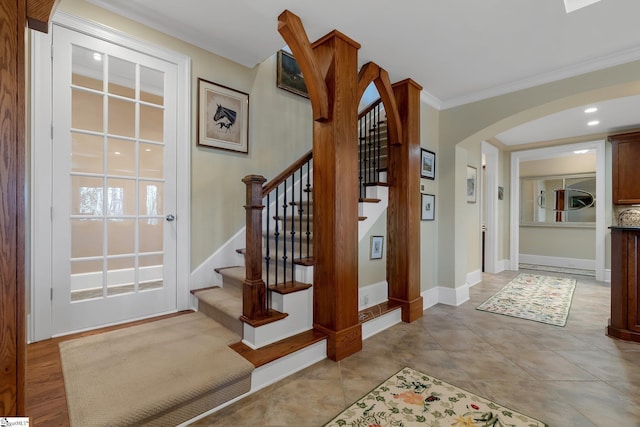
277, 241
372, 147
281, 238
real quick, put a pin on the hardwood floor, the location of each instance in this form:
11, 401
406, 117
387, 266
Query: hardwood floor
46, 403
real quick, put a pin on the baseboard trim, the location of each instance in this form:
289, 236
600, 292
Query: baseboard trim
373, 294
380, 323
429, 298
474, 277
503, 265
579, 263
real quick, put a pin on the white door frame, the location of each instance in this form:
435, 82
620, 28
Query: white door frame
548, 153
39, 318
491, 199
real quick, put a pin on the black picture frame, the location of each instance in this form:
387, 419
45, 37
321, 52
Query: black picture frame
223, 117
427, 164
428, 209
289, 77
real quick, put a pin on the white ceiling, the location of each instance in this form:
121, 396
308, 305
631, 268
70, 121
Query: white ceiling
459, 50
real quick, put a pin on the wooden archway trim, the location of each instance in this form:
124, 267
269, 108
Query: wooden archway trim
371, 72
292, 31
39, 14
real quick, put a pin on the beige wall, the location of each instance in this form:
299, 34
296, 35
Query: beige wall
279, 132
371, 271
563, 242
584, 163
472, 123
429, 254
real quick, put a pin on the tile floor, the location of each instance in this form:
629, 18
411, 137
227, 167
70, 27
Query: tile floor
571, 376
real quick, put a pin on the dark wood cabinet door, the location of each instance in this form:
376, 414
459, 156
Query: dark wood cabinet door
633, 316
626, 168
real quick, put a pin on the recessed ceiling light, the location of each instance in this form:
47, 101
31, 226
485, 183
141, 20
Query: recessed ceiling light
591, 110
97, 56
593, 122
147, 149
117, 153
572, 5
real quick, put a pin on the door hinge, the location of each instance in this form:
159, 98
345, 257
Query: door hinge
51, 213
51, 132
51, 294
52, 51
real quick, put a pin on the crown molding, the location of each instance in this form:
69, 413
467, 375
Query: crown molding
608, 61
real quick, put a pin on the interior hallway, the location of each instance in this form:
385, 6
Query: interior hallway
571, 376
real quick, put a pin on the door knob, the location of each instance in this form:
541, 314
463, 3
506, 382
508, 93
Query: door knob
170, 217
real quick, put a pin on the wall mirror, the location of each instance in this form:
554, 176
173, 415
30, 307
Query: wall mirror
564, 200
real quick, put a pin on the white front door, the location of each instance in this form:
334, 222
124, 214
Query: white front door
113, 183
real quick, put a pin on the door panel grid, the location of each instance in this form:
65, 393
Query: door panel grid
112, 160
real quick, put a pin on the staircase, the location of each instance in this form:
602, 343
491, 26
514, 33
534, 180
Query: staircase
283, 209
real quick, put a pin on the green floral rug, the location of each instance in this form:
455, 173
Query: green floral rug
410, 398
543, 299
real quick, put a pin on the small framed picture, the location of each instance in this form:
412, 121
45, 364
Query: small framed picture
472, 178
377, 244
428, 164
223, 117
428, 207
289, 77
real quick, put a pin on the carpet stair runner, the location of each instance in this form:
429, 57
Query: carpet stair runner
130, 376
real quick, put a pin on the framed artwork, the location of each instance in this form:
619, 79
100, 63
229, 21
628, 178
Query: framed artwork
289, 76
223, 117
428, 164
472, 179
377, 244
428, 207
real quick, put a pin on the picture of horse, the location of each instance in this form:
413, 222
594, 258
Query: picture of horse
223, 117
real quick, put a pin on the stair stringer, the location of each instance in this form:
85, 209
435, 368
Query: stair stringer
299, 307
372, 211
204, 275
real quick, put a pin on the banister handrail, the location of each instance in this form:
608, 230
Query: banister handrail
370, 107
271, 185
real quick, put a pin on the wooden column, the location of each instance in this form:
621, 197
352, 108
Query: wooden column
13, 19
335, 199
12, 171
403, 215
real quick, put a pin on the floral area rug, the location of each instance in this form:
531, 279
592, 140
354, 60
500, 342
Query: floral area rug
411, 398
543, 299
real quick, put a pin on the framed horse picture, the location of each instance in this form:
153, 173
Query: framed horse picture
223, 117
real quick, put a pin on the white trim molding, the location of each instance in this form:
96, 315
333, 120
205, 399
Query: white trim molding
552, 261
40, 325
548, 153
474, 277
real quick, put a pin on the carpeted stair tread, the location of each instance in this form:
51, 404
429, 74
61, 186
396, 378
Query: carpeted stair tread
159, 373
223, 305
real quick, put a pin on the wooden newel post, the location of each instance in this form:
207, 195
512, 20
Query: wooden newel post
253, 289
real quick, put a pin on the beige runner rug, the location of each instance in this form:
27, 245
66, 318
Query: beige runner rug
158, 373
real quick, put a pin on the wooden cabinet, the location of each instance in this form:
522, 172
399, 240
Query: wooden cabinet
625, 281
625, 169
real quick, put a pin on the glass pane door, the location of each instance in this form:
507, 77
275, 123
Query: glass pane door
110, 180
